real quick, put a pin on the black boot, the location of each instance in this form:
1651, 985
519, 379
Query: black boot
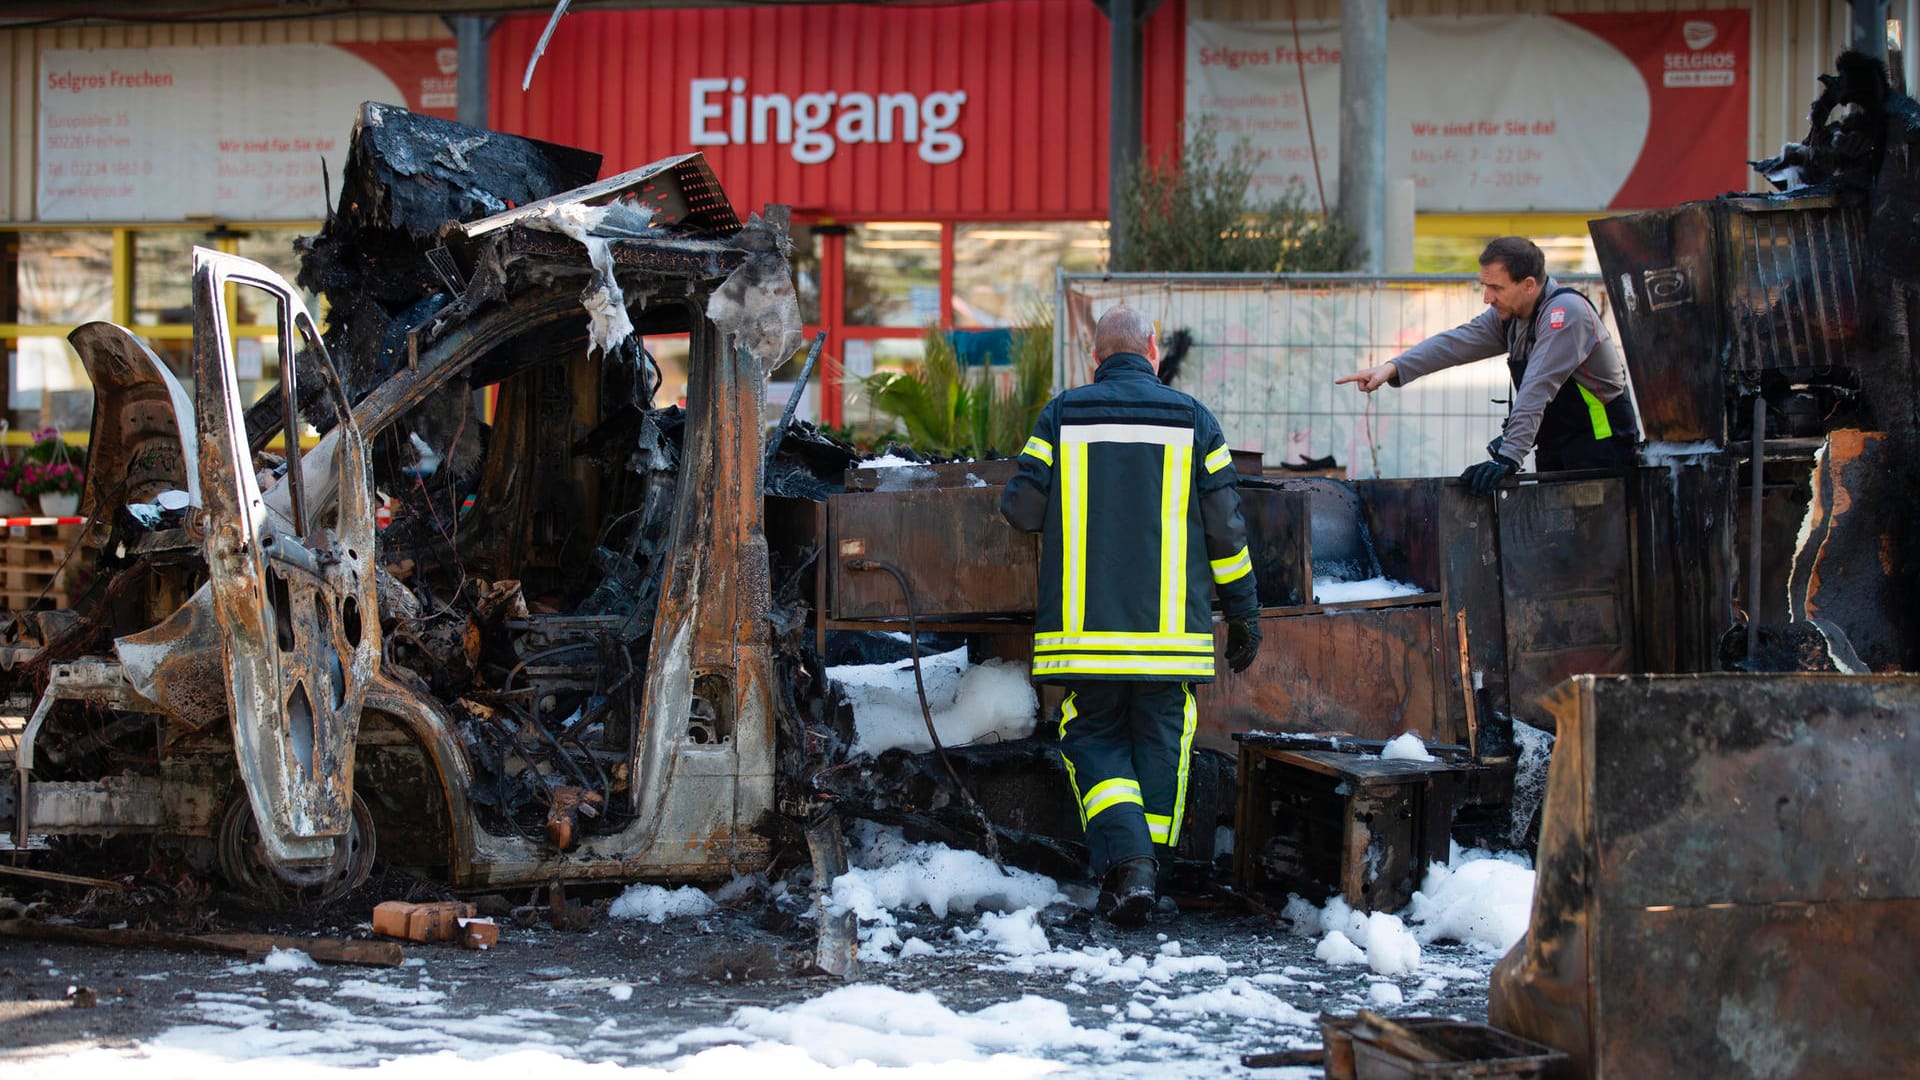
1127, 892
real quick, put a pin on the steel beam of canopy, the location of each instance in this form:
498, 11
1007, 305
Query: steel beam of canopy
1127, 18
1363, 128
1868, 28
470, 36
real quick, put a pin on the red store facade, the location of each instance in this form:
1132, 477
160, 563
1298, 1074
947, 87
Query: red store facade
941, 161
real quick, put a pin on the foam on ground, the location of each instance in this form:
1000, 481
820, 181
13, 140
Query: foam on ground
993, 700
656, 904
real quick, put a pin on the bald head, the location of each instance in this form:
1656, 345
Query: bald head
1122, 330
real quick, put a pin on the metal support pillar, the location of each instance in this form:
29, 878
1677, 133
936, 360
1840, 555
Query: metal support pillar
470, 34
1868, 28
1363, 129
1123, 109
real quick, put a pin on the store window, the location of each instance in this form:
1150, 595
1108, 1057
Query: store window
1001, 272
806, 272
870, 357
1452, 243
893, 274
62, 278
57, 279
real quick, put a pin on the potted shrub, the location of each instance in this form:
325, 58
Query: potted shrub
56, 484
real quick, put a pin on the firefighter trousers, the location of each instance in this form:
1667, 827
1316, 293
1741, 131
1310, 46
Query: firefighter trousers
1127, 745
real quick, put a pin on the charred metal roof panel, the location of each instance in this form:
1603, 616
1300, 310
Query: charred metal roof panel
1793, 273
675, 191
415, 173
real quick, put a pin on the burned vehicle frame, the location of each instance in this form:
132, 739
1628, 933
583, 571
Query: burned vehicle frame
555, 663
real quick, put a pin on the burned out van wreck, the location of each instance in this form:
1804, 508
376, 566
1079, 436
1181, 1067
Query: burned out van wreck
556, 663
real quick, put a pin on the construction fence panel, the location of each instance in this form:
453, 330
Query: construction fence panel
1267, 348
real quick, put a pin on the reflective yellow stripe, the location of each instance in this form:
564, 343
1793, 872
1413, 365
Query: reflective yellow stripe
1114, 639
1196, 666
1232, 568
1160, 828
1183, 648
1597, 410
1219, 459
1067, 712
1190, 721
1108, 793
1150, 434
1176, 476
1039, 448
1073, 538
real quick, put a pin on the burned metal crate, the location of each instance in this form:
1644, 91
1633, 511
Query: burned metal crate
1371, 1047
1332, 822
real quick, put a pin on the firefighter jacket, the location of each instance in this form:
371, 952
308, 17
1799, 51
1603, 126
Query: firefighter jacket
1131, 487
1570, 384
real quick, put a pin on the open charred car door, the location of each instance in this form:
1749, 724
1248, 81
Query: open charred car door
292, 579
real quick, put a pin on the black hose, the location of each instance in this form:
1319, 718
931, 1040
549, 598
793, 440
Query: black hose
926, 711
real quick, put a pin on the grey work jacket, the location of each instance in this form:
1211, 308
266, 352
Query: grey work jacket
1579, 347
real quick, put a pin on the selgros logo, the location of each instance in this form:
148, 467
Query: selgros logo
1697, 66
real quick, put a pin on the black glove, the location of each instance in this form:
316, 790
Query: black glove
1243, 642
1484, 479
1493, 448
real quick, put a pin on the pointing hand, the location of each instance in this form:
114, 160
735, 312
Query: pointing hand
1371, 379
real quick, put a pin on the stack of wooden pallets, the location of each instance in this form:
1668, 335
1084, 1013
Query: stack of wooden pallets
31, 574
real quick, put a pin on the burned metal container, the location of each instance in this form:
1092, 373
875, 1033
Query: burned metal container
1718, 865
1765, 292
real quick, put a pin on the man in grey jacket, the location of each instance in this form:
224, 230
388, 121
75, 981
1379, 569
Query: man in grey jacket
1571, 406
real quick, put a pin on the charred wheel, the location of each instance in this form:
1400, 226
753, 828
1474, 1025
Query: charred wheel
246, 867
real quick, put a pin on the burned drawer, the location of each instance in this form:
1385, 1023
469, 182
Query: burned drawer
959, 556
1323, 823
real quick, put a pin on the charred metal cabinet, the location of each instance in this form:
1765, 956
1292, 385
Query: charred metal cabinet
1566, 580
960, 557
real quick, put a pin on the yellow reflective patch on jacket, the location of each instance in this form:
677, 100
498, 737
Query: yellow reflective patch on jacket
1232, 568
1109, 640
1190, 666
1040, 448
1219, 458
1073, 537
1597, 412
1177, 478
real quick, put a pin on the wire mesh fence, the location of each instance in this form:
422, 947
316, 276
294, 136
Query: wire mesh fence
1266, 349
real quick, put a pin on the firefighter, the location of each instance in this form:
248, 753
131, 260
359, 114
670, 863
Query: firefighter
1571, 405
1131, 487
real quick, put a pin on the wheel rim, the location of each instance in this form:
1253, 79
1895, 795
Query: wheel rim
246, 867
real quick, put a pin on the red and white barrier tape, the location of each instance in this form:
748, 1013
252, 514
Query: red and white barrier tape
18, 522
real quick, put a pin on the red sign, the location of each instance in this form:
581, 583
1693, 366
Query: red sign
992, 110
426, 72
1497, 113
1696, 66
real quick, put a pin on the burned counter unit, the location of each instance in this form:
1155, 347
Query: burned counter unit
1563, 576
